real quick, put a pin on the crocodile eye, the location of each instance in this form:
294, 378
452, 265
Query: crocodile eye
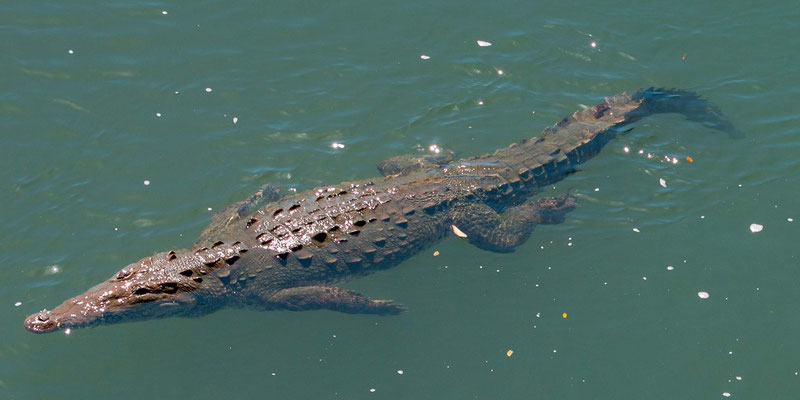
124, 274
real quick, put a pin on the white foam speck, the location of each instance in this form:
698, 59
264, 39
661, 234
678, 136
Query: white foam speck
662, 182
593, 44
738, 378
208, 90
235, 119
755, 228
337, 145
434, 148
702, 295
596, 189
483, 43
480, 102
372, 390
17, 304
158, 114
400, 372
636, 230
790, 219
499, 72
164, 12
626, 149
209, 208
425, 57
726, 394
644, 278
67, 331
70, 51
670, 267
146, 182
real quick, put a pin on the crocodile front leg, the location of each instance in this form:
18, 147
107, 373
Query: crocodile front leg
331, 298
233, 218
490, 230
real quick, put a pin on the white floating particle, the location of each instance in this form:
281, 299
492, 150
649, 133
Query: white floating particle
53, 269
597, 189
499, 72
372, 390
337, 145
17, 304
649, 155
424, 57
626, 149
434, 148
164, 12
636, 230
480, 102
70, 51
670, 267
662, 182
399, 372
702, 295
641, 151
644, 278
146, 182
235, 119
176, 92
726, 394
483, 43
790, 219
273, 374
755, 228
208, 90
674, 160
158, 114
738, 378
209, 208
593, 44
67, 331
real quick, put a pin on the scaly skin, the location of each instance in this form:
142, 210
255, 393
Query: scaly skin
268, 252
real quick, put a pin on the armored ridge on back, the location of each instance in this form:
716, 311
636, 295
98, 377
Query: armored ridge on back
268, 252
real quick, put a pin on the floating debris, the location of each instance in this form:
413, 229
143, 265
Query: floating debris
702, 295
235, 119
755, 228
17, 304
564, 315
670, 267
208, 90
509, 353
483, 43
636, 230
399, 372
337, 145
146, 182
436, 253
424, 57
163, 12
458, 231
662, 182
689, 159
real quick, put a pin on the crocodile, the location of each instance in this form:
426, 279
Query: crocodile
274, 252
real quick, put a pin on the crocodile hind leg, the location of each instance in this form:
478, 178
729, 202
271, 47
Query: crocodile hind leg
331, 298
404, 164
232, 218
501, 232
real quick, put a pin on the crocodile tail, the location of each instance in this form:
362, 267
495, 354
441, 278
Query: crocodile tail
684, 102
581, 136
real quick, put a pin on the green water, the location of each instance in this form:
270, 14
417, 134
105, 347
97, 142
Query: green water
99, 97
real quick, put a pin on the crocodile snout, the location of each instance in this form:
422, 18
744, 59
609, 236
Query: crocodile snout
41, 322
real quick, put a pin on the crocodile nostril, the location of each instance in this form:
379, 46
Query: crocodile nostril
43, 317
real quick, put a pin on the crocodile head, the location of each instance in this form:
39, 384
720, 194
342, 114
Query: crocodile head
158, 286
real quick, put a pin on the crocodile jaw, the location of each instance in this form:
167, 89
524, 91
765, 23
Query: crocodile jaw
107, 303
